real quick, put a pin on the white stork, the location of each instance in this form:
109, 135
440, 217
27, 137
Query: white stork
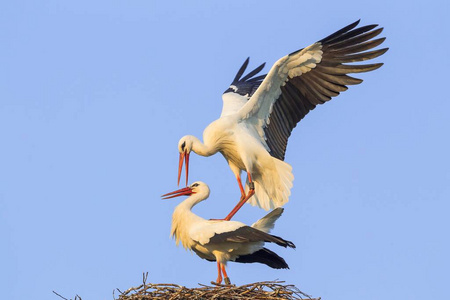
259, 113
220, 241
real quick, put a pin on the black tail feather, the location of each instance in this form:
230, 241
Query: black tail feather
281, 242
264, 256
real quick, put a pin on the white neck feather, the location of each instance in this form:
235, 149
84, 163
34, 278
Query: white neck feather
201, 148
183, 218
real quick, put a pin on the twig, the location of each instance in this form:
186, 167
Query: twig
258, 290
76, 296
59, 295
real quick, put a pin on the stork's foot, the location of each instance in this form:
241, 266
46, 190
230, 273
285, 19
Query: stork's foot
227, 280
251, 185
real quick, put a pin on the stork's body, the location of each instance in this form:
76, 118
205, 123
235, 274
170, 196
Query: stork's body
242, 148
224, 241
259, 113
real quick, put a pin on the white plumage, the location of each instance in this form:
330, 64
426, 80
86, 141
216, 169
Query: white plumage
259, 113
221, 241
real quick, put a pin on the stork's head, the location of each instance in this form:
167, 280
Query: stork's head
185, 148
185, 144
199, 188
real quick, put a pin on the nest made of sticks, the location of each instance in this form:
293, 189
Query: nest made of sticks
257, 290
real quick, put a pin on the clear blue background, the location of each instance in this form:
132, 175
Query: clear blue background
94, 96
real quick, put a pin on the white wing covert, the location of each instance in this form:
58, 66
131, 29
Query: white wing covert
202, 232
267, 222
241, 89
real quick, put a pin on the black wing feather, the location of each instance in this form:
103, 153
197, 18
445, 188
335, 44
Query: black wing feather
247, 234
301, 94
264, 256
247, 86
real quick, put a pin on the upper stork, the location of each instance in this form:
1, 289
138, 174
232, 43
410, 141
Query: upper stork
260, 112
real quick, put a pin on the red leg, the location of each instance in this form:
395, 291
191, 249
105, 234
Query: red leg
241, 187
241, 202
226, 278
219, 277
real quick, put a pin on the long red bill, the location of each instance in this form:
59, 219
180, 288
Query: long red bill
180, 166
183, 156
187, 167
187, 191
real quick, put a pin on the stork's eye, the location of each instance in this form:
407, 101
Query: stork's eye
183, 145
195, 184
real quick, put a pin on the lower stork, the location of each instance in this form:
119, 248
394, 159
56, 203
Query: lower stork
220, 241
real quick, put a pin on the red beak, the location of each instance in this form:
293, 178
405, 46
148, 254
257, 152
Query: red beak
183, 156
187, 191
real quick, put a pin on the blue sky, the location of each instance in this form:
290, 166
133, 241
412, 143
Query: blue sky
94, 96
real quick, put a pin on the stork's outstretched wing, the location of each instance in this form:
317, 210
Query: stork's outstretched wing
307, 77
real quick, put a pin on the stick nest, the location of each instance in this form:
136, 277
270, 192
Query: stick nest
257, 290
